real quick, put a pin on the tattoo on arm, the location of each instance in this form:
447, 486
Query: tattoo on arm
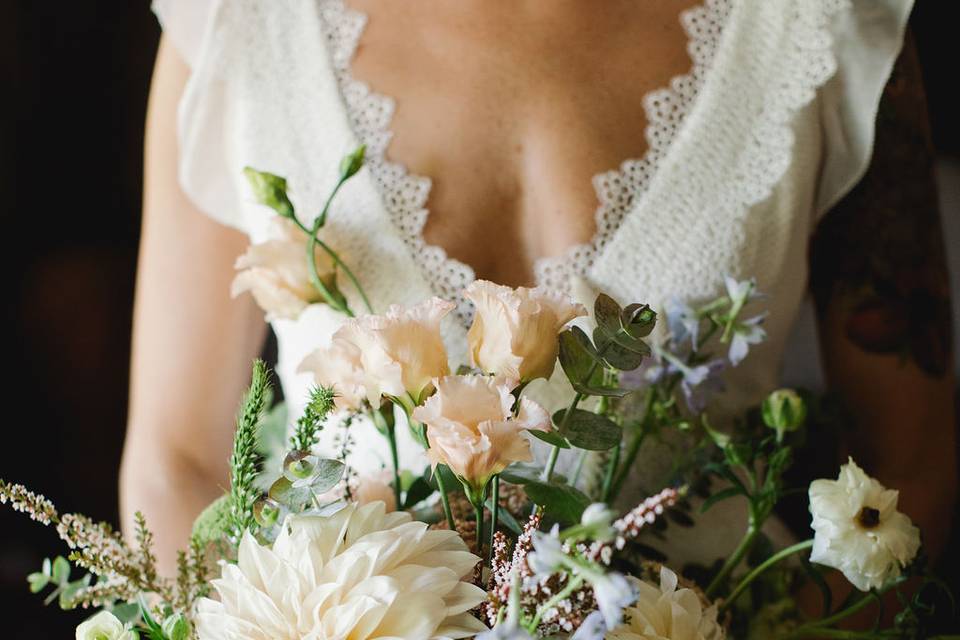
880, 252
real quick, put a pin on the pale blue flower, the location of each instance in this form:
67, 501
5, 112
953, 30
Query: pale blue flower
741, 291
746, 333
702, 382
547, 555
592, 628
506, 630
683, 323
613, 592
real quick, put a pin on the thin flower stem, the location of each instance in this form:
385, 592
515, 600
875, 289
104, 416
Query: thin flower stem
564, 593
356, 283
317, 281
819, 626
734, 560
392, 439
771, 561
495, 511
445, 500
608, 476
576, 474
478, 515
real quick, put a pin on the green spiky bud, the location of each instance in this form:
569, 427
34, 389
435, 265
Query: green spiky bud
270, 190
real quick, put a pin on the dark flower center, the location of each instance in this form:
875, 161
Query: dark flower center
869, 518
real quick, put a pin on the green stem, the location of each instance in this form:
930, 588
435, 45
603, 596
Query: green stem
445, 500
608, 476
317, 281
822, 625
392, 439
494, 513
562, 595
353, 279
734, 560
576, 474
478, 515
769, 562
551, 463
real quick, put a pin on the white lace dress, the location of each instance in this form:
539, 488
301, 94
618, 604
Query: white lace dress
772, 126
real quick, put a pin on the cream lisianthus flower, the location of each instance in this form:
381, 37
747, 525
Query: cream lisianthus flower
858, 529
668, 613
360, 573
277, 274
514, 332
396, 354
104, 626
471, 427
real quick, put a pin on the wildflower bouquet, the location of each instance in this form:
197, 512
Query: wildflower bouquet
485, 544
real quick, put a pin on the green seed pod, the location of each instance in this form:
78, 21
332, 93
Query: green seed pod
352, 163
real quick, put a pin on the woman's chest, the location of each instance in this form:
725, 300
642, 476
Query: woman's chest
511, 109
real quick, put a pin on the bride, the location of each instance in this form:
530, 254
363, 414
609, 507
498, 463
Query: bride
633, 147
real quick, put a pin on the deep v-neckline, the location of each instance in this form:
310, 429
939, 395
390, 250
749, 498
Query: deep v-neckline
404, 194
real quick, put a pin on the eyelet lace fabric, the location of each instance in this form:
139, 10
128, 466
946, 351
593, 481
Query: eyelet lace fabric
405, 194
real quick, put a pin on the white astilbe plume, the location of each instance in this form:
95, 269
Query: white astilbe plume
360, 573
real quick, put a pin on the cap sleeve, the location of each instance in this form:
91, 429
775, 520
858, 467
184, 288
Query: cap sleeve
867, 40
185, 23
209, 167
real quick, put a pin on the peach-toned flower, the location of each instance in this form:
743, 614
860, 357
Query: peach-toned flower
276, 272
471, 427
397, 354
338, 367
514, 332
375, 487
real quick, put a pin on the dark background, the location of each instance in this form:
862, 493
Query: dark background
75, 77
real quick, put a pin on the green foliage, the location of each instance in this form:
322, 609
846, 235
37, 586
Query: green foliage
214, 523
304, 478
270, 190
588, 430
308, 426
243, 462
56, 573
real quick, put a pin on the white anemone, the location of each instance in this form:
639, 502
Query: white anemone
858, 529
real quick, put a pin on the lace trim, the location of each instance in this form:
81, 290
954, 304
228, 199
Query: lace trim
405, 195
619, 190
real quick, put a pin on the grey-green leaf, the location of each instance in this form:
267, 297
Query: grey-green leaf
607, 313
561, 501
326, 475
590, 390
551, 437
577, 354
587, 430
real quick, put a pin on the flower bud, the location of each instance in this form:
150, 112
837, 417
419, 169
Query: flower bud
784, 410
597, 520
270, 190
352, 163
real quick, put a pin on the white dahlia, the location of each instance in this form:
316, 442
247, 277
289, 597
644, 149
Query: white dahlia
668, 613
858, 530
361, 573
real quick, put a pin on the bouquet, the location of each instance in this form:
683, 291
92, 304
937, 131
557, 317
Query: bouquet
484, 543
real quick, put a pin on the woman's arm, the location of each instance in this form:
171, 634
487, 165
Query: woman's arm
193, 345
880, 282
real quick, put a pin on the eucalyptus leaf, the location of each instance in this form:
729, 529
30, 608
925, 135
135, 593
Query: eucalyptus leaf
591, 390
519, 473
284, 492
326, 475
607, 314
588, 430
638, 320
61, 570
577, 355
563, 502
551, 437
37, 581
619, 357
